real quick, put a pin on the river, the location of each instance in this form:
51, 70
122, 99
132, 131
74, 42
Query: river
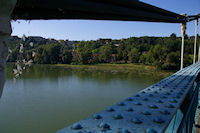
46, 98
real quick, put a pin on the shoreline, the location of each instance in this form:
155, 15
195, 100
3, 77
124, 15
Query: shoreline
117, 68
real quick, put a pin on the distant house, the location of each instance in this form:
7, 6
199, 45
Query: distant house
104, 41
116, 45
36, 38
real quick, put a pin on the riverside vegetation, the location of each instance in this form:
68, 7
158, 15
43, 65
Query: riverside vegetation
161, 52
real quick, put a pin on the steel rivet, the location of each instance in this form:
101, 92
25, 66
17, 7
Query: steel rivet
129, 109
125, 131
137, 95
158, 120
150, 95
137, 103
145, 99
97, 117
110, 109
167, 93
76, 126
164, 97
104, 126
173, 101
143, 92
155, 92
159, 101
130, 99
165, 112
121, 104
146, 113
169, 106
118, 116
153, 106
136, 121
150, 130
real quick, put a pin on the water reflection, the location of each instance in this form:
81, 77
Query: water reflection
46, 98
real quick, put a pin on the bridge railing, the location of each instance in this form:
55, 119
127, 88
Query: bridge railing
167, 106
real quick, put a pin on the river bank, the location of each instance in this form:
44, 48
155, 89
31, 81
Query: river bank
118, 68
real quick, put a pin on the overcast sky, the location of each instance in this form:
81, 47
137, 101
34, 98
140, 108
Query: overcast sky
92, 29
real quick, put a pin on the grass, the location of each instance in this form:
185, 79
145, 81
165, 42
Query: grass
125, 68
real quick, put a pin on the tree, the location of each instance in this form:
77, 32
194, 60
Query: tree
173, 36
133, 56
105, 53
66, 56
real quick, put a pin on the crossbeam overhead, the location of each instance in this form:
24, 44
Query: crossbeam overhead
126, 10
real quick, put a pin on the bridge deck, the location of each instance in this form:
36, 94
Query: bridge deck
149, 110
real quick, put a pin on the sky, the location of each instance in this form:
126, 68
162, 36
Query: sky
93, 29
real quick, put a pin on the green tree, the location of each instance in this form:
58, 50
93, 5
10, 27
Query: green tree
105, 53
134, 56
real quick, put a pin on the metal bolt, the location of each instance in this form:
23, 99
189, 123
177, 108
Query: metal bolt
121, 104
143, 92
150, 130
145, 99
76, 126
173, 101
153, 106
130, 99
164, 97
137, 95
125, 131
110, 109
146, 113
129, 109
167, 93
169, 106
159, 101
97, 117
104, 126
178, 97
150, 95
158, 120
136, 121
137, 103
165, 112
118, 116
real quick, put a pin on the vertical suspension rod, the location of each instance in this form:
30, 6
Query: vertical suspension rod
195, 41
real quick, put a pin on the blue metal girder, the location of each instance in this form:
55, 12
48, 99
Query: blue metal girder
149, 110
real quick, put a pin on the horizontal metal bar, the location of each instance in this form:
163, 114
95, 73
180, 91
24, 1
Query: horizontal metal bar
129, 10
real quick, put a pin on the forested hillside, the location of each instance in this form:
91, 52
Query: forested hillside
162, 52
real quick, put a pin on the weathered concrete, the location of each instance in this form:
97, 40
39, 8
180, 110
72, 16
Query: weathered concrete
6, 8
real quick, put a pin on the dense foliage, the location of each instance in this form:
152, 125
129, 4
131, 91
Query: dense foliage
162, 52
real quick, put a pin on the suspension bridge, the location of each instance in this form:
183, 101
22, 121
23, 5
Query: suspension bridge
170, 105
